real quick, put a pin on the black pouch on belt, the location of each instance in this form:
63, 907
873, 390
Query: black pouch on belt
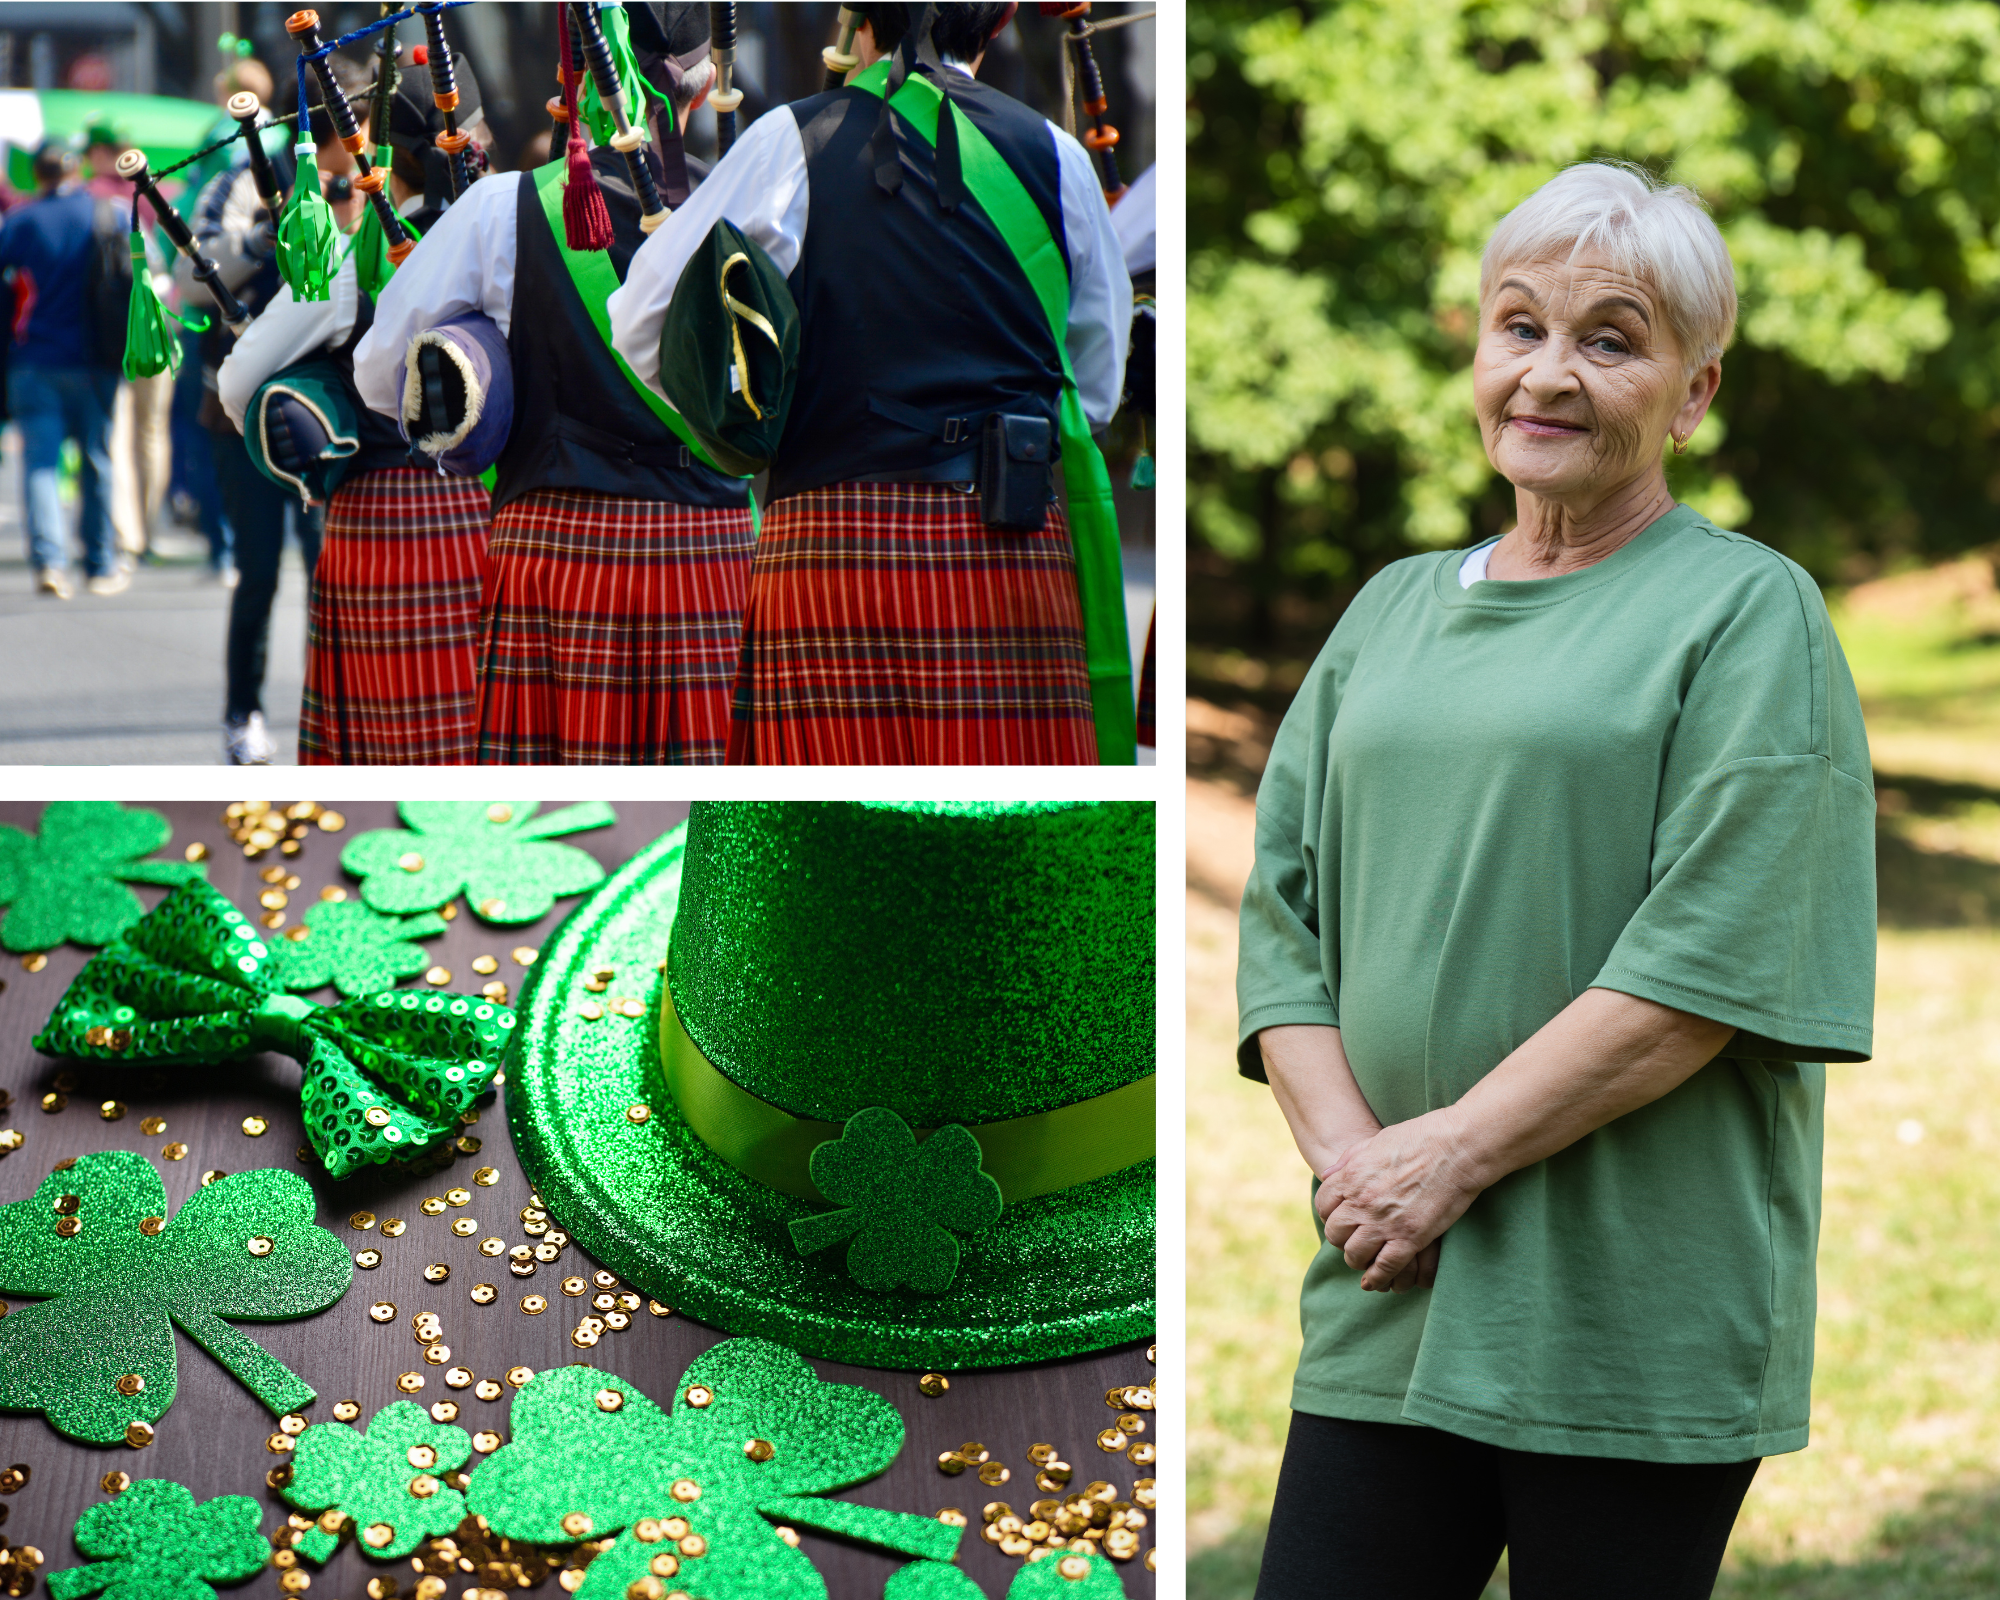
1014, 458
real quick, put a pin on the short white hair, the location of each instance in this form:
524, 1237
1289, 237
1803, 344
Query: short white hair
1650, 229
697, 79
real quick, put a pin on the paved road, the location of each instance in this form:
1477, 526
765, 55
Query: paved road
136, 678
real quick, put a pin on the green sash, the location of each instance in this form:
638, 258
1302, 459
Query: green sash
596, 281
1093, 521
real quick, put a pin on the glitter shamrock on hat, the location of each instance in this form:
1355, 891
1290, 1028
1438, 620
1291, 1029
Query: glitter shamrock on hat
385, 1077
898, 1200
65, 882
154, 1543
357, 950
386, 1480
114, 1278
497, 853
752, 1433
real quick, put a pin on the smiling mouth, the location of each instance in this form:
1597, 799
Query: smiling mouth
1546, 427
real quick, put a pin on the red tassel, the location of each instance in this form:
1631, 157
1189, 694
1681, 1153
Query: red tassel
586, 218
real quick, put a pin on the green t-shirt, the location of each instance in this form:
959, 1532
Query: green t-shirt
1650, 776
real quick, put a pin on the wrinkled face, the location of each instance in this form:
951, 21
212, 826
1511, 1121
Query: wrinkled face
1577, 377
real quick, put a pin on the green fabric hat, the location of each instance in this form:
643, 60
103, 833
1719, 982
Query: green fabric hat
923, 1033
729, 350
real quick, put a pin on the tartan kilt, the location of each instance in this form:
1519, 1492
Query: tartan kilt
394, 614
608, 630
887, 625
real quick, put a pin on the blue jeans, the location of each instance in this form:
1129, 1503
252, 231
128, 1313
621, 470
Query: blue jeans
259, 512
52, 404
194, 456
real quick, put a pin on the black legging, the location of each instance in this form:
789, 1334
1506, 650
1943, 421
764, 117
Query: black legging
1384, 1511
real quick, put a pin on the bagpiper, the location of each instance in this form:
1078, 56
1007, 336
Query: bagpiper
618, 560
915, 597
394, 606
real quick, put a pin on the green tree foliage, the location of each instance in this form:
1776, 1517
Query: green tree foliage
1348, 160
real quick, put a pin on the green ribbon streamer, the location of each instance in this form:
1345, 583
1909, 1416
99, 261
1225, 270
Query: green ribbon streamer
306, 234
1093, 520
1026, 1156
369, 245
386, 1076
617, 30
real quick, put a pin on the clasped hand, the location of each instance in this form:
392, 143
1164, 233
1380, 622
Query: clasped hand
1389, 1198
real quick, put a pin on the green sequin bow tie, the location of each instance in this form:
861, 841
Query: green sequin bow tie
387, 1075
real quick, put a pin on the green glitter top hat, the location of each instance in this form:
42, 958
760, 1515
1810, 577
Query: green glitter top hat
921, 1033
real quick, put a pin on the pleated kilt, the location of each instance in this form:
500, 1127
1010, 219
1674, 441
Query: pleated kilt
393, 619
888, 625
608, 630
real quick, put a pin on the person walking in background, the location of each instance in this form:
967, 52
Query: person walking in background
56, 390
233, 229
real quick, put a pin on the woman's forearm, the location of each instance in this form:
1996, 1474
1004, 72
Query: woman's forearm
1603, 1055
1315, 1089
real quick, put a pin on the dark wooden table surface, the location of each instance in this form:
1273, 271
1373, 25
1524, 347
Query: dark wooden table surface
213, 1438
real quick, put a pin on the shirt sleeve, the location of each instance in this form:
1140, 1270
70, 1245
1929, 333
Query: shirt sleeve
1761, 906
284, 332
1286, 972
761, 187
1100, 290
465, 263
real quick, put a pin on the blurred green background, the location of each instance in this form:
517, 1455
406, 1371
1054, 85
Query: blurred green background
1346, 162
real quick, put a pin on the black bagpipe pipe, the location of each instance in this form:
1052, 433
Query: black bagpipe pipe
131, 166
444, 95
245, 108
840, 58
1100, 137
304, 27
725, 97
628, 141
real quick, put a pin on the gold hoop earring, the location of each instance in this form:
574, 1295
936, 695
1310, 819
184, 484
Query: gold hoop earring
1680, 445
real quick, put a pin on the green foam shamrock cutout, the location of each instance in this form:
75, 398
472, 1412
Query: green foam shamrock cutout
355, 949
900, 1197
154, 1543
63, 883
494, 852
115, 1278
931, 1580
1049, 1579
385, 1478
752, 1434
386, 1077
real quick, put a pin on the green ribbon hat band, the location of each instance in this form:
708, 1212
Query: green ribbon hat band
1027, 1156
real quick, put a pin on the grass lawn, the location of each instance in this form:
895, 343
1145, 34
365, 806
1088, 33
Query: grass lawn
1899, 1496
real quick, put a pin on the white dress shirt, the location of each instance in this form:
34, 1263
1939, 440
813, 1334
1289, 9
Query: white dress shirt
286, 330
761, 187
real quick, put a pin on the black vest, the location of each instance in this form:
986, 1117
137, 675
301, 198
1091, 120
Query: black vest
382, 443
577, 422
915, 324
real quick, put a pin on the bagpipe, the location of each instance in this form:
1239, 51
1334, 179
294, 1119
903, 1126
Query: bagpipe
1101, 137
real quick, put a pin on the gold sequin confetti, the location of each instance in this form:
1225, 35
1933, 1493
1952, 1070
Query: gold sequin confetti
484, 1294
274, 919
1042, 1454
547, 1251
69, 1227
53, 1102
211, 1175
759, 1449
138, 1434
590, 1011
115, 1482
280, 1444
279, 1475
534, 1304
933, 1384
34, 962
427, 1326
485, 966
410, 1382
368, 1259
519, 1376
496, 991
952, 1517
492, 1247
196, 851
685, 1490
274, 899
15, 1478
486, 1441
362, 1221
111, 1110
1142, 1455
346, 1410
457, 1197
152, 1126
255, 1127
584, 1337
638, 1113
617, 1321
437, 1354
436, 1272
394, 1227
444, 1411
458, 1377
574, 1286
449, 911
993, 1474
438, 977
11, 1139
609, 1400
493, 910
152, 1227
259, 1246
487, 1389
432, 1206
464, 1227
485, 1177
1131, 1422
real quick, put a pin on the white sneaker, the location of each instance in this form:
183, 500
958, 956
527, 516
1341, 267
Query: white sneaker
55, 581
116, 581
248, 743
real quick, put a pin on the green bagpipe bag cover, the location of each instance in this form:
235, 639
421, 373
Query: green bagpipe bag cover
729, 350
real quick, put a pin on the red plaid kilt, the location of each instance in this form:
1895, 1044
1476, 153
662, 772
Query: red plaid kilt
888, 626
608, 630
394, 612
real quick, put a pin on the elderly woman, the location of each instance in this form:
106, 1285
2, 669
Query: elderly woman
1564, 891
